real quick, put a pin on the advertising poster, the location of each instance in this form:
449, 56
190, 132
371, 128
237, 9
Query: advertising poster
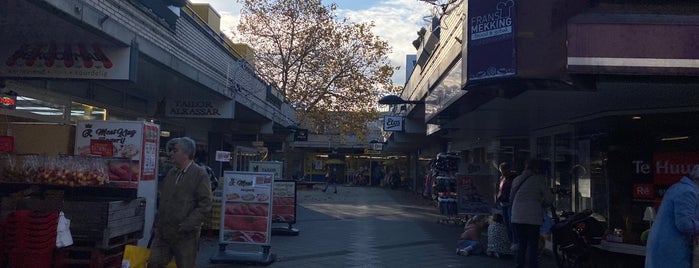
131, 148
246, 216
284, 204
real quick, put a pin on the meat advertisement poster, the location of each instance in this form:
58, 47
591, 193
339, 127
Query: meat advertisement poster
131, 148
284, 204
246, 216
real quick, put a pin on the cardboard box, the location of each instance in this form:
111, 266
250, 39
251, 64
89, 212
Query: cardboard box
41, 138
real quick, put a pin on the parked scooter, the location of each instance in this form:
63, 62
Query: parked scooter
573, 235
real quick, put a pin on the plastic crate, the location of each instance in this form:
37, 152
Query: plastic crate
34, 260
27, 232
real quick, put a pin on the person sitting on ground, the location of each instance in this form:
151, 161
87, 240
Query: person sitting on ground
498, 243
470, 239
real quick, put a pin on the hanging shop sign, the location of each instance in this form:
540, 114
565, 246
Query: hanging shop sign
491, 35
393, 123
223, 156
246, 207
301, 135
65, 60
199, 108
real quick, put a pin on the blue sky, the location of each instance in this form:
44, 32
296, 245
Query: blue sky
397, 21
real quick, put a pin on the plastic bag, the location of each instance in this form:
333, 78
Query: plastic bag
137, 257
63, 236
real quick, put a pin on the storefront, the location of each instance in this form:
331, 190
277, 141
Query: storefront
75, 93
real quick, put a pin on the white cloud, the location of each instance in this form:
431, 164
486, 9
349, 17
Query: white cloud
229, 11
397, 22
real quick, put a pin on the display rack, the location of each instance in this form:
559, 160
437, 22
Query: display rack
443, 169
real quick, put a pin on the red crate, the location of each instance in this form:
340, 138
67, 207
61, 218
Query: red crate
27, 233
79, 256
34, 260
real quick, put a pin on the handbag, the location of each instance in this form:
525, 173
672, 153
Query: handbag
514, 193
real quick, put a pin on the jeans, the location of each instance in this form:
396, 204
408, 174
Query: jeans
528, 251
506, 215
328, 184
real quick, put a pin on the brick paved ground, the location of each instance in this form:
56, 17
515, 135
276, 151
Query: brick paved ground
365, 227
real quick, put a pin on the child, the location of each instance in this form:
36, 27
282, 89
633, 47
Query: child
470, 239
498, 243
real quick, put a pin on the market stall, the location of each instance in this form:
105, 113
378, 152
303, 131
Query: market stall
106, 189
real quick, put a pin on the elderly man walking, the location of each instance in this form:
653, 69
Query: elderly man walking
184, 201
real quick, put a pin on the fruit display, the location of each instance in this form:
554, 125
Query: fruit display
11, 170
62, 170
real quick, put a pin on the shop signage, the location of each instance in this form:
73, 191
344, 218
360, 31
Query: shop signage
643, 191
669, 167
618, 47
223, 156
246, 216
8, 101
301, 135
72, 60
7, 144
371, 151
102, 147
491, 32
200, 108
393, 123
274, 167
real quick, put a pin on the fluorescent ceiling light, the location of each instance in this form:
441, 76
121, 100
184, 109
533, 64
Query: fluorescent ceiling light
677, 138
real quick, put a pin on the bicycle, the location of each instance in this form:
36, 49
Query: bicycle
572, 237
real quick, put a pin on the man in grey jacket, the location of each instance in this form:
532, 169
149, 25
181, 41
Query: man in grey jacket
184, 201
529, 196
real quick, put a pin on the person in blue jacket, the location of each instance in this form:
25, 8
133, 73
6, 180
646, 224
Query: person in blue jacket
670, 240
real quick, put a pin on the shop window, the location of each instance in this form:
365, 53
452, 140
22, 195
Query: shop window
39, 107
79, 111
562, 170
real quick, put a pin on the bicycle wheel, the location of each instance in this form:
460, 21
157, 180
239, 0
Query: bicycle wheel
563, 260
